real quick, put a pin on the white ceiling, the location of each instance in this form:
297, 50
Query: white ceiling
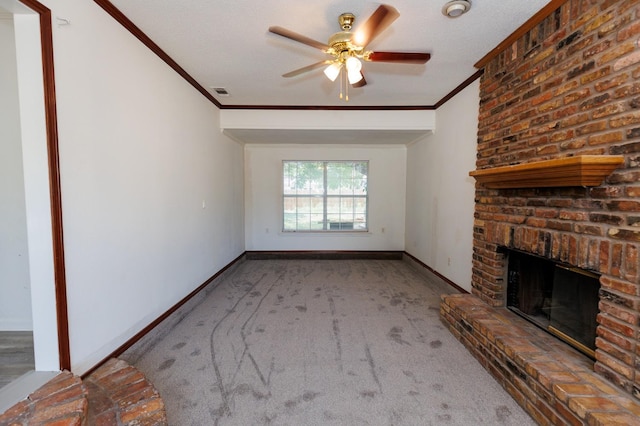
227, 44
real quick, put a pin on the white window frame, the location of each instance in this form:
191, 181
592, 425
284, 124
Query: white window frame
325, 195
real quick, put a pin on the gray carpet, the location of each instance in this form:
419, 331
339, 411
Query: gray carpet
320, 342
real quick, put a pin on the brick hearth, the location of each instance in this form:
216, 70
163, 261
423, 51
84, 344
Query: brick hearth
116, 394
570, 86
62, 400
554, 383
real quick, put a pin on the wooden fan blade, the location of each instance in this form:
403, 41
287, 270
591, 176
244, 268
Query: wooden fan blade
377, 22
306, 69
403, 57
361, 83
298, 37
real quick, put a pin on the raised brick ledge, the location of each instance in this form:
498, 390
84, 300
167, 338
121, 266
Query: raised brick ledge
119, 395
554, 383
116, 394
61, 401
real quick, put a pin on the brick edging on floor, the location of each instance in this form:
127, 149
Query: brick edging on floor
114, 394
550, 380
119, 394
63, 399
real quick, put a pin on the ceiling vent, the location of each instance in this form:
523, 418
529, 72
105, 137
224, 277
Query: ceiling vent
221, 91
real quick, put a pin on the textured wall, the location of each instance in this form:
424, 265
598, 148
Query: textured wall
569, 87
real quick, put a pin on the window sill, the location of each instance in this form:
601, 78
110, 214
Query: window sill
325, 233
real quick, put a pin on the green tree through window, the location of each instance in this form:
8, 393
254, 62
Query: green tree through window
325, 195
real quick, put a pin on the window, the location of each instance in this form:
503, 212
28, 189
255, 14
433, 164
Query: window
325, 195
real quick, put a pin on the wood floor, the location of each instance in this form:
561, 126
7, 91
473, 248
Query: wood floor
16, 355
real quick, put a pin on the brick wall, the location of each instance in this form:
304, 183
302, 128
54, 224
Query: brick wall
570, 86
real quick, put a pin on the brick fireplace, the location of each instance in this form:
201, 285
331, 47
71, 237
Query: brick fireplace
568, 87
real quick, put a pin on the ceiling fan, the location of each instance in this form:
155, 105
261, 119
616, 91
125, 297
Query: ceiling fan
347, 49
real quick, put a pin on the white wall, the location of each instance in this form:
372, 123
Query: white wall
263, 204
37, 188
152, 192
15, 299
440, 192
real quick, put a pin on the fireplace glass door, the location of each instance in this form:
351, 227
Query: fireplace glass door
560, 299
575, 306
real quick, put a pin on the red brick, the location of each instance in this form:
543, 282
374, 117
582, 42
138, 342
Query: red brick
616, 325
59, 383
568, 415
575, 119
598, 382
626, 120
109, 418
615, 81
597, 75
629, 90
592, 127
576, 96
140, 411
628, 404
71, 420
599, 21
612, 419
65, 395
624, 314
63, 410
157, 418
630, 31
582, 406
21, 408
565, 390
614, 364
615, 352
624, 177
110, 367
632, 264
616, 52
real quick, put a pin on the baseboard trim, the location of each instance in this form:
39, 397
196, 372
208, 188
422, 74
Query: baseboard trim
126, 345
433, 271
323, 255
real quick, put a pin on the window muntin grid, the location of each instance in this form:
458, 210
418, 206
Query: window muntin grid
325, 196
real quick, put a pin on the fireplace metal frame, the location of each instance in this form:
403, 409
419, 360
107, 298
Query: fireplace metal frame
506, 251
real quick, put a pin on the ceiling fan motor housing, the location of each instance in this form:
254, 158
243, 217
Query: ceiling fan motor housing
341, 42
346, 21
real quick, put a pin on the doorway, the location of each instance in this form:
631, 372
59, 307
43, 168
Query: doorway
16, 337
41, 239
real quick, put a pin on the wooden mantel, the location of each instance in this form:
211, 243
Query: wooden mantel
583, 170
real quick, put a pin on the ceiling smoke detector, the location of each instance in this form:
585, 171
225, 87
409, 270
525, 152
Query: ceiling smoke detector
455, 8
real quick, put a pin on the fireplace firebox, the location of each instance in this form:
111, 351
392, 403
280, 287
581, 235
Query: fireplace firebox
561, 299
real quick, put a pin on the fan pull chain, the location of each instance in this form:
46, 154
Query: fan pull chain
346, 85
341, 73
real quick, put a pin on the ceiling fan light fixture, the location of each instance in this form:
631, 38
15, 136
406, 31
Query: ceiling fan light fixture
353, 64
354, 76
456, 8
332, 71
